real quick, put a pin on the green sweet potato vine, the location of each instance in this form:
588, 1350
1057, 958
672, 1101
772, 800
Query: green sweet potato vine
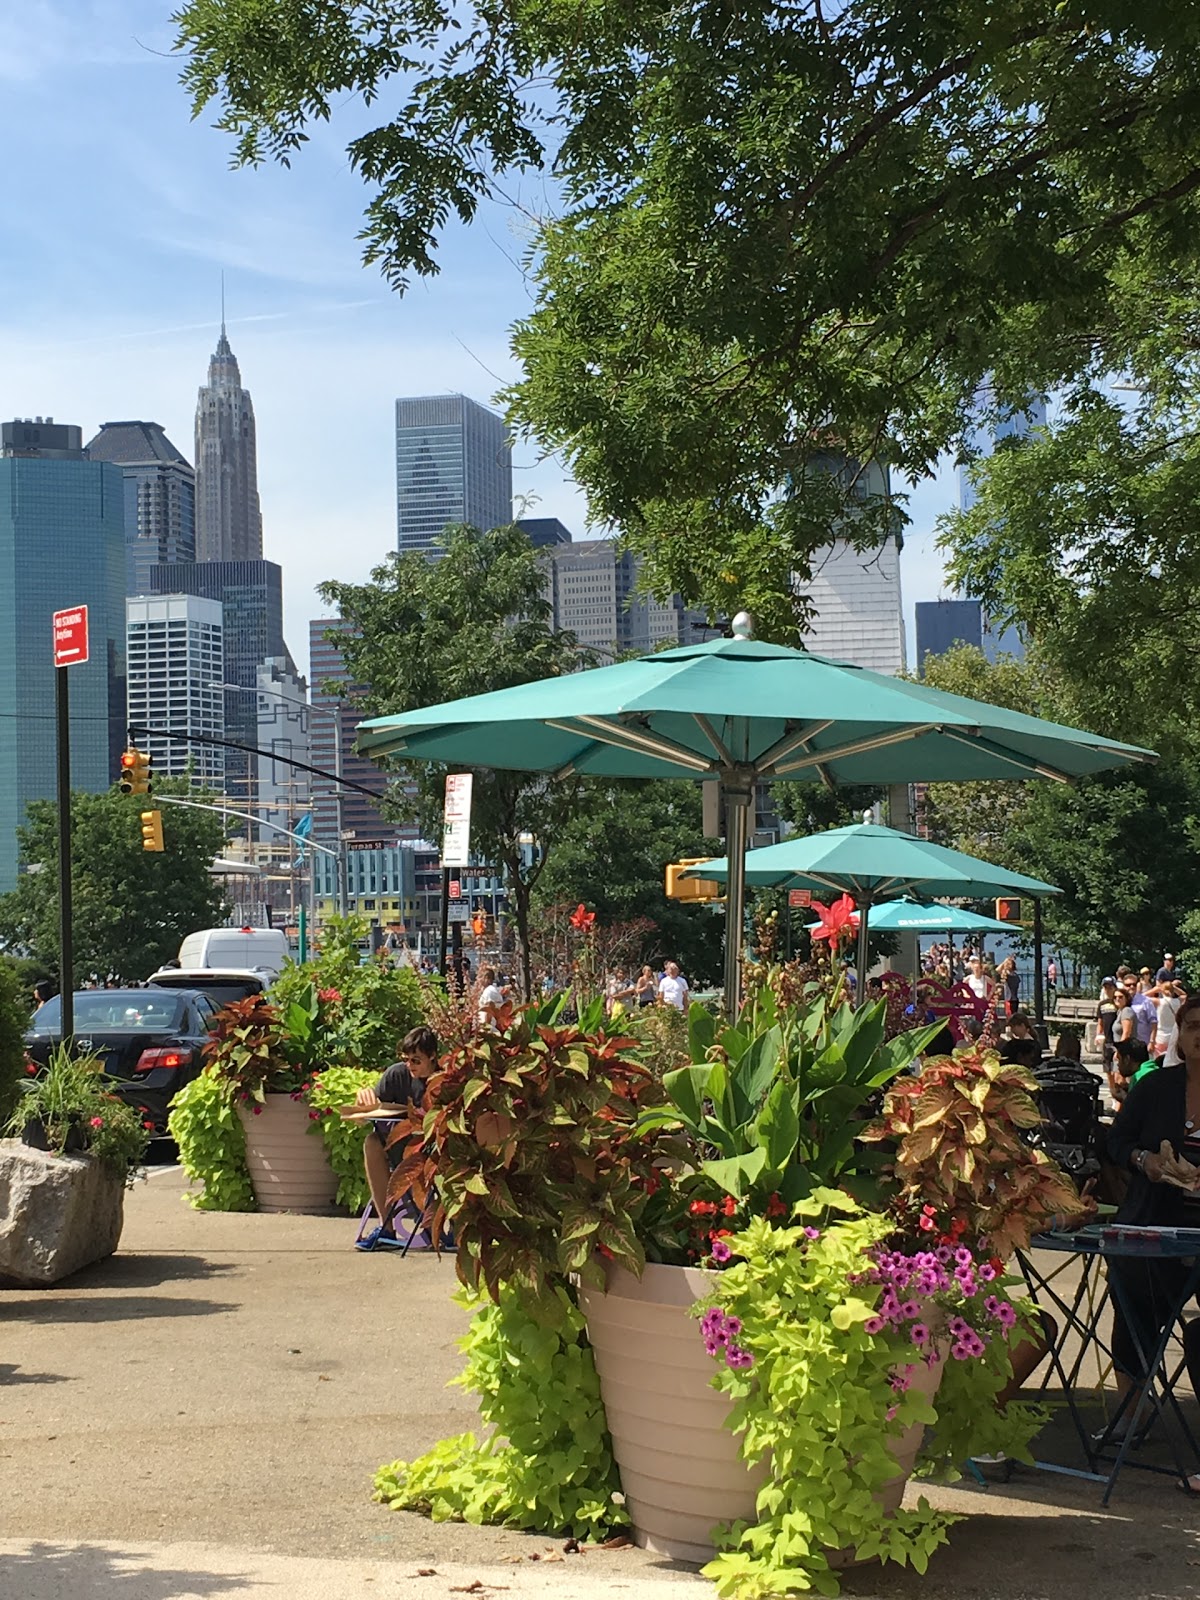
547, 1463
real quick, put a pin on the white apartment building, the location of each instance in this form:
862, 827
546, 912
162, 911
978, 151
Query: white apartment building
175, 656
857, 611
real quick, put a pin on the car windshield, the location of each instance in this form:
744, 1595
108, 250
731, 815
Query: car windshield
110, 1010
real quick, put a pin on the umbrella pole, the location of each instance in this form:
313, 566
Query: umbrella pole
861, 989
738, 798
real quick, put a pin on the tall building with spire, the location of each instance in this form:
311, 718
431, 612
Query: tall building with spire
228, 516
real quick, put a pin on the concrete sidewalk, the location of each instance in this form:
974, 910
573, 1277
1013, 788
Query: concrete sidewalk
202, 1415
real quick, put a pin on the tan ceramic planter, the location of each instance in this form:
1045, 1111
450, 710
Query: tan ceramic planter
681, 1472
680, 1468
289, 1168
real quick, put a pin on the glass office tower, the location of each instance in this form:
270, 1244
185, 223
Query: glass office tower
62, 544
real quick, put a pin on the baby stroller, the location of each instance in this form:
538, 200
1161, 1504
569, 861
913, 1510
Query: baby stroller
1068, 1096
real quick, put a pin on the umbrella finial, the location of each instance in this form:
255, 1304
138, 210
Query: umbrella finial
869, 814
743, 626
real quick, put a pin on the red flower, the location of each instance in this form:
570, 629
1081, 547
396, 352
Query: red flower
836, 921
776, 1207
582, 918
729, 1205
96, 1122
31, 1068
332, 995
703, 1208
928, 1224
314, 1116
148, 1124
258, 1111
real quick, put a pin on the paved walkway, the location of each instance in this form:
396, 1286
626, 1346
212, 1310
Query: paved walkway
201, 1417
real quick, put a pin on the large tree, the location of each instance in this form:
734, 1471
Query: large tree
476, 619
1121, 846
611, 855
792, 238
132, 907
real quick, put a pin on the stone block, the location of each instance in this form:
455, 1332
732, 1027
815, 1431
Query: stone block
57, 1214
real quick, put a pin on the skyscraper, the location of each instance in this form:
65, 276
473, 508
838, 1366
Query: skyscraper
228, 516
175, 672
251, 596
160, 497
942, 624
62, 544
453, 464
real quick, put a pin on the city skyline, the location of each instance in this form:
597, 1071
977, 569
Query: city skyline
125, 329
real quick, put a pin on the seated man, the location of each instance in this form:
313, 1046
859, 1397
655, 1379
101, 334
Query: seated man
402, 1084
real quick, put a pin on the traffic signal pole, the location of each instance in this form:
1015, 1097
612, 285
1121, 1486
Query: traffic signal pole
66, 951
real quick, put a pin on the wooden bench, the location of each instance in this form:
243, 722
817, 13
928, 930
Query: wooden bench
1077, 1011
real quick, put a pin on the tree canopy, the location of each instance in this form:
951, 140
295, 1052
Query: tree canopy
423, 631
792, 239
132, 907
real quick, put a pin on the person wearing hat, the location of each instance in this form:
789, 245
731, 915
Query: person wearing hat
1167, 973
1106, 1016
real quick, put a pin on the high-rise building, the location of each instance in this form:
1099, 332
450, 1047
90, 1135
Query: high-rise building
176, 674
592, 586
228, 516
453, 464
62, 544
544, 532
335, 716
251, 597
942, 624
160, 497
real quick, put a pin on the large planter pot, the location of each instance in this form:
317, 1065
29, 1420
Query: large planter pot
681, 1471
286, 1157
57, 1214
680, 1468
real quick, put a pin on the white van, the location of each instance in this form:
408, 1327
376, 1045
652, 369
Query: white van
260, 950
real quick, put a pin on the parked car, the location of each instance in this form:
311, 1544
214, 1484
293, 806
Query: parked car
261, 950
219, 984
150, 1040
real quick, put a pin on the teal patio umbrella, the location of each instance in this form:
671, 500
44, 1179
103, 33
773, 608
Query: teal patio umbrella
874, 864
909, 916
740, 710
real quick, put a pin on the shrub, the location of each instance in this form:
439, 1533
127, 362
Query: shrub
14, 1020
204, 1123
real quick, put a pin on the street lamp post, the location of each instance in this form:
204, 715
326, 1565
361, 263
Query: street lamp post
338, 792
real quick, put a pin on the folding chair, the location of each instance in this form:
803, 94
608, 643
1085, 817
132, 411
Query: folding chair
400, 1211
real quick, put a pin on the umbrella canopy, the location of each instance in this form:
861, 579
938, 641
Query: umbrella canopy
908, 916
741, 710
872, 863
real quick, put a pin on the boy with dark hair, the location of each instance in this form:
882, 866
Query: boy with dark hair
400, 1085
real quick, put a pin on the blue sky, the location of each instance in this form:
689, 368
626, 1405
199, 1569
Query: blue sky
120, 215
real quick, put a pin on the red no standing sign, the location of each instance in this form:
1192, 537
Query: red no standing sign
70, 637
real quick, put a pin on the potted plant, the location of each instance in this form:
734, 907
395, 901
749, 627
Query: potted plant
732, 1180
71, 1147
329, 1027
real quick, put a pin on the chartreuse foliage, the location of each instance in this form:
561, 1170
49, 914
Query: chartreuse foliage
212, 1147
331, 1089
815, 1400
547, 1463
778, 1099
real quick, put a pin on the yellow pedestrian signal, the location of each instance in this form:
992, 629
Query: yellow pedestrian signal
136, 774
697, 890
152, 834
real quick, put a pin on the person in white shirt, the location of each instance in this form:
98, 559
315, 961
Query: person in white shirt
673, 988
491, 997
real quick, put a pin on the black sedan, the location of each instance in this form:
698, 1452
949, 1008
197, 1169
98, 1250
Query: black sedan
150, 1040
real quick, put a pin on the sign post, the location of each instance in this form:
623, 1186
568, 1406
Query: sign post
70, 650
456, 850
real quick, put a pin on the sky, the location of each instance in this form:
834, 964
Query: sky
121, 213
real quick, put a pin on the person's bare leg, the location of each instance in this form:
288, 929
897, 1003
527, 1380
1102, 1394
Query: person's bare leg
376, 1163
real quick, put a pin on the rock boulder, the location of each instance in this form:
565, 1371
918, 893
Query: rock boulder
57, 1214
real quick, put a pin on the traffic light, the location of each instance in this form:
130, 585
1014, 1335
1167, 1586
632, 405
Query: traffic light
136, 776
152, 834
697, 890
1008, 910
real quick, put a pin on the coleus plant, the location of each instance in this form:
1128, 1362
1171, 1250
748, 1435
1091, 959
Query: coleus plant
958, 1147
528, 1147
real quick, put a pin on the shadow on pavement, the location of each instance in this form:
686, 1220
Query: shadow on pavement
11, 1374
144, 1269
109, 1308
49, 1571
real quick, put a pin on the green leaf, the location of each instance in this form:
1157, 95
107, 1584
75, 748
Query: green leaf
777, 1129
736, 1174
